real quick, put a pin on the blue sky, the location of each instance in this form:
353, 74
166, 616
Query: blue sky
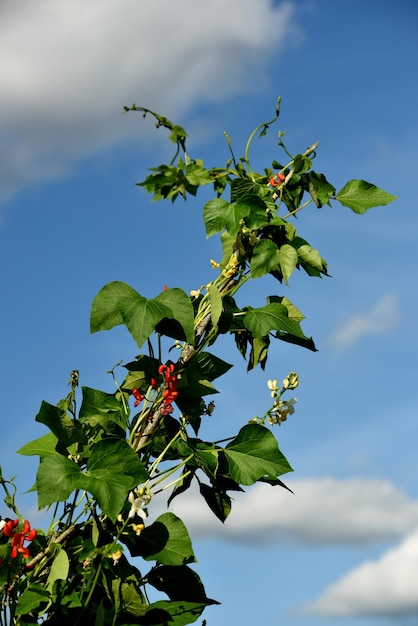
344, 548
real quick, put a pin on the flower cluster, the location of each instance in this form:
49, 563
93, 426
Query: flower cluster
138, 396
18, 538
291, 381
281, 408
170, 392
280, 411
138, 503
277, 180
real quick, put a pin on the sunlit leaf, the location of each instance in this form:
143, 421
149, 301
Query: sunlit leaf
270, 317
255, 454
214, 216
56, 479
113, 469
166, 541
215, 304
117, 303
288, 258
265, 258
360, 196
43, 446
181, 314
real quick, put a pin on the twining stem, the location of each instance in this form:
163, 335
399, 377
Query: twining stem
66, 533
177, 480
264, 127
91, 591
146, 409
161, 456
302, 206
121, 393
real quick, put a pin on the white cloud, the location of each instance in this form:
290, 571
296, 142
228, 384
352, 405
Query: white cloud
381, 318
322, 511
384, 587
69, 67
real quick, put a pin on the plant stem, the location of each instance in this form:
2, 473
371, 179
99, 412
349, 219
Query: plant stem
160, 457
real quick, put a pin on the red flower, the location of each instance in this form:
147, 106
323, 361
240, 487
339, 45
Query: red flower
277, 180
166, 370
170, 392
18, 538
9, 528
138, 396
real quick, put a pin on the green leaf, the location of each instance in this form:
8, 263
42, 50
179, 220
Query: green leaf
301, 164
288, 261
310, 256
206, 457
113, 469
359, 196
219, 215
234, 215
217, 500
193, 386
241, 188
105, 313
197, 174
320, 189
292, 310
166, 541
34, 598
56, 479
180, 613
304, 342
43, 446
270, 317
228, 243
182, 485
211, 366
97, 404
117, 303
265, 258
196, 379
126, 594
140, 372
59, 569
259, 352
66, 430
259, 216
179, 583
255, 454
214, 216
215, 305
181, 313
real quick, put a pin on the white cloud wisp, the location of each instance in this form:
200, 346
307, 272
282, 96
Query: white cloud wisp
70, 67
381, 318
385, 587
322, 511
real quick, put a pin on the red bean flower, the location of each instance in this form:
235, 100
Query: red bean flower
138, 396
166, 409
277, 180
170, 392
18, 538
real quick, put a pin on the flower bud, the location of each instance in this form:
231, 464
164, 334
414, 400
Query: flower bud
274, 387
291, 381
